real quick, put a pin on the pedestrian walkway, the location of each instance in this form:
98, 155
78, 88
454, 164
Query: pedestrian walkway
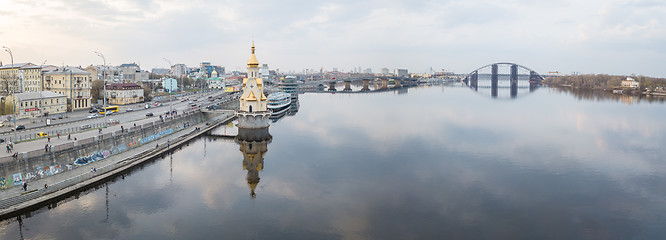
37, 144
48, 187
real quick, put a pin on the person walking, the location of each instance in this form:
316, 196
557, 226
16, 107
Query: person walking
8, 150
48, 139
25, 186
100, 131
46, 148
69, 136
58, 135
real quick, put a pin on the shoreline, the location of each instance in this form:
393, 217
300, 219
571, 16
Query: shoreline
82, 179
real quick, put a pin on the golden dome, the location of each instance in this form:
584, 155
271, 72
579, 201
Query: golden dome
253, 59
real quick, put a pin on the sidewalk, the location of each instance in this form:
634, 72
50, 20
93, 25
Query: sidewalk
16, 198
39, 144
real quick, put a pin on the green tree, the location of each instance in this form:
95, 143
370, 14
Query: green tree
97, 89
147, 93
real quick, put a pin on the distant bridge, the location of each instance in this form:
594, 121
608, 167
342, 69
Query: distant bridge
399, 82
472, 79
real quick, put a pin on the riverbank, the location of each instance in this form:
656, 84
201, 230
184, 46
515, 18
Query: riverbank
41, 191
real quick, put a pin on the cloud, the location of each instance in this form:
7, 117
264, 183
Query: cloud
294, 34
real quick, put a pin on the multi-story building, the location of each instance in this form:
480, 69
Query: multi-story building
385, 71
160, 71
124, 93
32, 78
207, 68
630, 83
71, 82
110, 73
11, 78
401, 73
131, 72
35, 104
179, 70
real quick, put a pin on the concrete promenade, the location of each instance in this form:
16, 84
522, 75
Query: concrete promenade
15, 199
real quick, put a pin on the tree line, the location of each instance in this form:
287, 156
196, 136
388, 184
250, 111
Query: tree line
603, 81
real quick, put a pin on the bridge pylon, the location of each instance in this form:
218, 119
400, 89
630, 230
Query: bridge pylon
365, 88
347, 86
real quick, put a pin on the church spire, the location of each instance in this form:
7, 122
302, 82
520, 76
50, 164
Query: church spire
253, 63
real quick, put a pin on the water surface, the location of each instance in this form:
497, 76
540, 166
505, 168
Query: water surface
429, 163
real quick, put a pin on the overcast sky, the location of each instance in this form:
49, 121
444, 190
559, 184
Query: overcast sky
586, 36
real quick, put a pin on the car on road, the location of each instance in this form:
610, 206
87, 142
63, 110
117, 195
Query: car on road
93, 116
60, 116
2, 124
147, 106
42, 134
129, 110
53, 117
85, 126
93, 110
2, 140
149, 114
20, 127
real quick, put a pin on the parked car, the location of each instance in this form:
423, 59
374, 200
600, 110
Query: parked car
20, 127
129, 110
42, 134
2, 124
93, 116
149, 114
93, 110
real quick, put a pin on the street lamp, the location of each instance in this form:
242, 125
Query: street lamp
104, 83
12, 89
41, 90
170, 88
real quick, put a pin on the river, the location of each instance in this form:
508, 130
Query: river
435, 162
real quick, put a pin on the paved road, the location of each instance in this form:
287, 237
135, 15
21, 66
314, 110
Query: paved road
126, 119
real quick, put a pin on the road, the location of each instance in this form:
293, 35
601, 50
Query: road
73, 121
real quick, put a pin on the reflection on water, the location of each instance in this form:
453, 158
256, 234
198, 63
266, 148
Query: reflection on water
254, 145
431, 163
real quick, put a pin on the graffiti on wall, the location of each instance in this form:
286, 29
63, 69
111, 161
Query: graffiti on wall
92, 158
6, 183
156, 136
18, 179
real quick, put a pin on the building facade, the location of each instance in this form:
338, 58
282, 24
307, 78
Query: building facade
110, 73
12, 77
179, 70
35, 104
630, 83
32, 79
71, 82
124, 93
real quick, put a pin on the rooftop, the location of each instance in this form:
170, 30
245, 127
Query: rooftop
37, 95
122, 86
15, 65
67, 70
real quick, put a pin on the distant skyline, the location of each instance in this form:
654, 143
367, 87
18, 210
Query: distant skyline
592, 36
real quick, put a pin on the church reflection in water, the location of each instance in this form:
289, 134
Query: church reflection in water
254, 145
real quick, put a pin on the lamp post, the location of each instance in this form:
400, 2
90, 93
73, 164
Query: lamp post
12, 90
170, 87
104, 83
41, 90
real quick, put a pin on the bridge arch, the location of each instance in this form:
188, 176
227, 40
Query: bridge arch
472, 79
509, 64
